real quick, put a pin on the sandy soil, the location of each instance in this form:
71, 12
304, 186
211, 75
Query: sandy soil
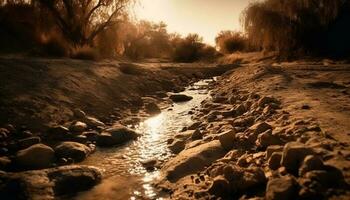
38, 93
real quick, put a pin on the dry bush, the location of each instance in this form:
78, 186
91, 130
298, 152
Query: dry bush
229, 42
85, 53
293, 24
53, 45
191, 48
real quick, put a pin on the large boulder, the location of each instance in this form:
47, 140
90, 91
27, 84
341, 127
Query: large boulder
283, 188
27, 142
180, 97
58, 133
116, 135
293, 155
310, 163
50, 183
77, 151
38, 156
192, 160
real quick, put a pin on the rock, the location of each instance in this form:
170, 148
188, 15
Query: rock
271, 149
149, 164
330, 177
227, 139
78, 152
116, 135
152, 108
197, 135
220, 187
78, 127
194, 126
93, 122
91, 135
192, 160
266, 139
79, 113
243, 179
80, 139
293, 154
4, 133
49, 183
266, 100
177, 146
283, 188
38, 156
25, 143
180, 98
4, 163
260, 127
310, 163
240, 110
58, 133
274, 161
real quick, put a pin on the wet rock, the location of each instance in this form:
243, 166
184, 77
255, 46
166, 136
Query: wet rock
197, 135
50, 183
274, 161
310, 163
116, 135
271, 149
266, 139
152, 108
78, 152
194, 126
293, 154
227, 139
4, 163
180, 97
29, 158
219, 187
149, 164
58, 133
25, 143
192, 160
78, 127
283, 188
177, 146
93, 122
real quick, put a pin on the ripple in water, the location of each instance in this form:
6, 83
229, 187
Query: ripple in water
124, 175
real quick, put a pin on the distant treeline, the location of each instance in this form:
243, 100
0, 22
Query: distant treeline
91, 29
88, 29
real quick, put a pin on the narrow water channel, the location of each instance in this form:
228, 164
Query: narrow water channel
124, 175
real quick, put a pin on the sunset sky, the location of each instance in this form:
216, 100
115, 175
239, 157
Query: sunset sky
205, 17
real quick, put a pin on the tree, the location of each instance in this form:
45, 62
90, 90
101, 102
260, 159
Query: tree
82, 20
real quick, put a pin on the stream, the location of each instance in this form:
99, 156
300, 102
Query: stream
124, 175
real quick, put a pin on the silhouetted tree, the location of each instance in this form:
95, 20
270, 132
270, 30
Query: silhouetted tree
82, 20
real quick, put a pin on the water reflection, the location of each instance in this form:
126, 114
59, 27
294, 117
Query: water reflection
123, 164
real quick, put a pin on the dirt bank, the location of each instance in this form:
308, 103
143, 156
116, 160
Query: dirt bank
42, 92
272, 131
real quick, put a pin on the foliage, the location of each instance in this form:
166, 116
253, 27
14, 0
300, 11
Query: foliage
229, 41
291, 25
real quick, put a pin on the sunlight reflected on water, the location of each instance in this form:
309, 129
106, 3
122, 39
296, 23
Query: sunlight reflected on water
126, 161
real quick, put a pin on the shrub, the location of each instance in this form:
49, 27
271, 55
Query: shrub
85, 53
229, 42
53, 45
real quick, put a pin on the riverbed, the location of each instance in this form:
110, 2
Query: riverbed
125, 177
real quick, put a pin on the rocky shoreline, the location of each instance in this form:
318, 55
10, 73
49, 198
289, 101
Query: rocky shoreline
244, 145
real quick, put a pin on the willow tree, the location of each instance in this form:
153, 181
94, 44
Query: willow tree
285, 25
82, 20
